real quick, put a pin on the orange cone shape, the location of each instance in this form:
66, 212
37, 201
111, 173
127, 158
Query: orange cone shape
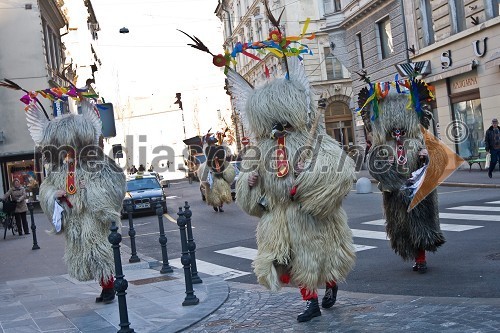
442, 163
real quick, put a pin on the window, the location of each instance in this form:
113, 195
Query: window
259, 31
457, 15
330, 6
359, 49
52, 46
427, 24
385, 38
334, 68
492, 8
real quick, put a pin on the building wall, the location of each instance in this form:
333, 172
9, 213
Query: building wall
31, 55
22, 60
464, 68
363, 20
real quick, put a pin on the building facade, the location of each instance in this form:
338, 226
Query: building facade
246, 20
376, 42
460, 40
35, 59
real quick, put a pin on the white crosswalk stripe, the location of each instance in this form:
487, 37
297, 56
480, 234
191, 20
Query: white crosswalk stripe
369, 234
470, 217
477, 208
250, 253
240, 252
444, 226
211, 269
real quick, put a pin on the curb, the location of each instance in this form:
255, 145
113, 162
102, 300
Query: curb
449, 184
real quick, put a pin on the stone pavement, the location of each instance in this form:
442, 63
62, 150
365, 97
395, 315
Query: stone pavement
36, 295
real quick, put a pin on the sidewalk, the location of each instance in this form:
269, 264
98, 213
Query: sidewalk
48, 300
36, 295
463, 177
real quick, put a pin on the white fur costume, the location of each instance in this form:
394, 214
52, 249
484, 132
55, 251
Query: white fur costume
307, 237
100, 189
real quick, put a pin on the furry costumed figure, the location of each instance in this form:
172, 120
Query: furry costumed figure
216, 174
302, 235
88, 185
400, 159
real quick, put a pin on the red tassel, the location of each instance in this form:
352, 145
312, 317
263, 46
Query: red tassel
293, 191
285, 278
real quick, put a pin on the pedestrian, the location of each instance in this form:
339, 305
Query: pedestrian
492, 145
133, 170
141, 168
17, 193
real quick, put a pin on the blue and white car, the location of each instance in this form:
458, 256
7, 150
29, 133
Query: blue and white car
144, 192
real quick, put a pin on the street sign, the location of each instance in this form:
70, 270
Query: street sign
245, 141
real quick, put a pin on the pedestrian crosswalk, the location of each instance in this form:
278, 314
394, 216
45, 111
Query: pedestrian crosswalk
469, 213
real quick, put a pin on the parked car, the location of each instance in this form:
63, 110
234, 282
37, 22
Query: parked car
145, 191
237, 166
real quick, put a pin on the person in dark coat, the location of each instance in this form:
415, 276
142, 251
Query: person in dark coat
492, 145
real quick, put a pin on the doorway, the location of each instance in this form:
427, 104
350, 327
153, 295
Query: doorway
339, 123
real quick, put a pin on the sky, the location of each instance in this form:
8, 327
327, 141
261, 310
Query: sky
143, 70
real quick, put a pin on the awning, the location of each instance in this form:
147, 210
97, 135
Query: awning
494, 61
449, 73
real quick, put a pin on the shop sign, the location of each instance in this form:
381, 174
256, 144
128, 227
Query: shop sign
479, 48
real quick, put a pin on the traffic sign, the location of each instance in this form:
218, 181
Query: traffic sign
245, 141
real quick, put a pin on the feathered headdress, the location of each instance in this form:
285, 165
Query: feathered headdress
418, 92
36, 115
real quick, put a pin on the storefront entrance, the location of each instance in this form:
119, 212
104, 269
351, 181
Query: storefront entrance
469, 129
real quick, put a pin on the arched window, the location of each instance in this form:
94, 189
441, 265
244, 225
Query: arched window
338, 122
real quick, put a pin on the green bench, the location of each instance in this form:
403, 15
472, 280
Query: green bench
481, 158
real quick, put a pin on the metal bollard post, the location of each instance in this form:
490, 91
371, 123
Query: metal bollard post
191, 244
163, 242
33, 226
190, 299
131, 232
120, 283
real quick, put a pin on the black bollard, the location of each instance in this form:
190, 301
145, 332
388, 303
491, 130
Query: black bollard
163, 242
131, 232
120, 283
191, 244
33, 226
190, 299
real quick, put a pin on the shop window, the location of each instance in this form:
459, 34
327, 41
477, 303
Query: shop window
469, 135
384, 36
